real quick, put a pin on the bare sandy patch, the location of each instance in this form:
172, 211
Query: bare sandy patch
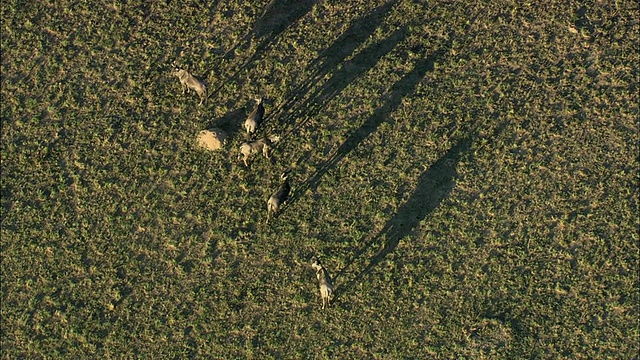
213, 139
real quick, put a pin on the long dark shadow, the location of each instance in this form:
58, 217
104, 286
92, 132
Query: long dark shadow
349, 72
278, 16
359, 31
399, 90
434, 185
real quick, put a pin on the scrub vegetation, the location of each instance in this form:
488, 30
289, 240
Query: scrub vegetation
467, 172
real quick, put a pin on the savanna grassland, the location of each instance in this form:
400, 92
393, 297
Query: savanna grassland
466, 171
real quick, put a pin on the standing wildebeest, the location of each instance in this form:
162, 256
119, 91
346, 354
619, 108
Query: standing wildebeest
247, 149
191, 82
255, 118
279, 197
324, 280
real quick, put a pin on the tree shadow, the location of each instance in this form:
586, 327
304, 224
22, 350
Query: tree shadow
434, 185
397, 92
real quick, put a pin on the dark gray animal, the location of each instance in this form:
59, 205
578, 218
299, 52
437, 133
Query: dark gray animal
279, 197
255, 118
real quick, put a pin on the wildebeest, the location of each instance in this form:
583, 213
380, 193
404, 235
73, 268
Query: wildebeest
324, 280
247, 149
255, 118
279, 197
191, 82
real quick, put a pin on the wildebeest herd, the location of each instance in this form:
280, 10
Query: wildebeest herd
215, 138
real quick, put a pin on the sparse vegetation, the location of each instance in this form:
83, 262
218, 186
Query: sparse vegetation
468, 172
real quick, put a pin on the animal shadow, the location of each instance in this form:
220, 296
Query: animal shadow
330, 59
278, 16
434, 185
398, 91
